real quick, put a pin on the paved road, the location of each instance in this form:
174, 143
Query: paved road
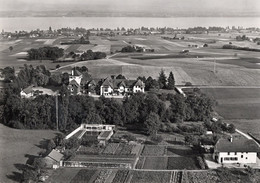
204, 86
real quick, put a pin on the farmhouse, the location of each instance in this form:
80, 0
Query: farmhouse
240, 150
112, 86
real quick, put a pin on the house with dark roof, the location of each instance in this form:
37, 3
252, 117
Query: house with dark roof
237, 150
111, 86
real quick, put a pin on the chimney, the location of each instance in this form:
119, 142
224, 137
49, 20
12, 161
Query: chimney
72, 71
231, 138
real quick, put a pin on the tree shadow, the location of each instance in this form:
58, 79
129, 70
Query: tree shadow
30, 159
15, 176
18, 176
43, 144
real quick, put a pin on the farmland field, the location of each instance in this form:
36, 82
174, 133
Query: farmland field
236, 103
63, 175
16, 146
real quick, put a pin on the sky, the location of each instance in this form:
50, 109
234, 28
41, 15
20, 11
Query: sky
166, 6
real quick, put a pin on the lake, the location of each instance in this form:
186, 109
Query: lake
29, 23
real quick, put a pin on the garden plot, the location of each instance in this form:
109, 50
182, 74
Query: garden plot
155, 163
83, 175
89, 150
153, 150
111, 148
179, 150
120, 176
102, 176
200, 177
150, 177
181, 163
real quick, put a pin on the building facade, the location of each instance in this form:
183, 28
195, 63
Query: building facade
239, 150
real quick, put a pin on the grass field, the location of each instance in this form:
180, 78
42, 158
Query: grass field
236, 103
17, 147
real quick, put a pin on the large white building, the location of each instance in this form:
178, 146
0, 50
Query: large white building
112, 86
236, 150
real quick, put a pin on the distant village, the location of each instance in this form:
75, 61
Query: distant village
79, 32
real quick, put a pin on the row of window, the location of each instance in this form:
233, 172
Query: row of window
236, 153
230, 159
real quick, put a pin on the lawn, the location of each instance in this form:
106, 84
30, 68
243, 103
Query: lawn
181, 163
17, 147
83, 175
179, 150
155, 163
63, 175
150, 177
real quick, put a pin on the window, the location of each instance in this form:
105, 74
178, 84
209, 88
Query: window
242, 156
235, 153
228, 153
230, 159
106, 90
246, 157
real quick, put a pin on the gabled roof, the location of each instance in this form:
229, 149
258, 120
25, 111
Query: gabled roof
116, 83
73, 82
28, 89
139, 83
237, 145
55, 155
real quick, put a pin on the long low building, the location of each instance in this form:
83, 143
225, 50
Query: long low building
237, 150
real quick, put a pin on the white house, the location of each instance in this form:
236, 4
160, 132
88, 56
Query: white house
237, 150
27, 92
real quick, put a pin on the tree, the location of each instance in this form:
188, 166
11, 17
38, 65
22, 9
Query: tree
11, 48
152, 123
171, 81
162, 79
120, 76
51, 145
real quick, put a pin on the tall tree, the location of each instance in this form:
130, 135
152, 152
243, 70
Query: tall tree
162, 79
171, 81
152, 123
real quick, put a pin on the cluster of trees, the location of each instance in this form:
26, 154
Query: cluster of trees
242, 38
143, 111
38, 76
90, 55
161, 83
230, 46
45, 53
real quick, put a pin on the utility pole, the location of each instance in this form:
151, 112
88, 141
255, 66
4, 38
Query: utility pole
57, 112
214, 65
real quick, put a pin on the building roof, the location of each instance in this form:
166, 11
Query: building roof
55, 155
116, 83
74, 82
28, 89
237, 145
